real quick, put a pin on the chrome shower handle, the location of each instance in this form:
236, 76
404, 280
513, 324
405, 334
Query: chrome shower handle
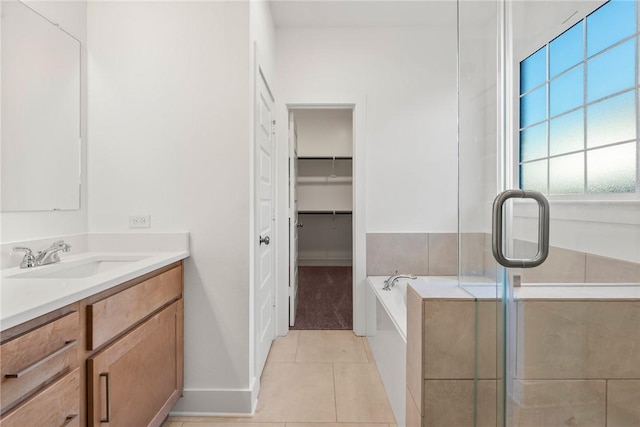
544, 218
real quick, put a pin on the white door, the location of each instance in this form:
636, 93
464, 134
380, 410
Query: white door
293, 220
265, 259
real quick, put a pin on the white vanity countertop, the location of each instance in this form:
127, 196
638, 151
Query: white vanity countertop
24, 299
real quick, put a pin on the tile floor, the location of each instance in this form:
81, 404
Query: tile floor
313, 379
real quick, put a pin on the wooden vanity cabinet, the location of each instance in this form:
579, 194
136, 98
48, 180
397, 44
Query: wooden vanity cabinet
40, 376
134, 343
134, 381
113, 359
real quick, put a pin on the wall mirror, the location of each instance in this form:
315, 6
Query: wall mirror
40, 147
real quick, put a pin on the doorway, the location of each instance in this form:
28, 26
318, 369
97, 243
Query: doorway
321, 221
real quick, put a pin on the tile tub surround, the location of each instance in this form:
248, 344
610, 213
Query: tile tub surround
435, 254
570, 266
578, 356
422, 254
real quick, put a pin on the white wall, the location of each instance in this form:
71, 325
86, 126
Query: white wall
19, 226
408, 76
169, 119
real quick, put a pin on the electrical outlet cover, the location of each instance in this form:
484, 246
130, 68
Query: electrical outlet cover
139, 221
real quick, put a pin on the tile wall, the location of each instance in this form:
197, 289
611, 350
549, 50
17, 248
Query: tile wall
577, 363
436, 254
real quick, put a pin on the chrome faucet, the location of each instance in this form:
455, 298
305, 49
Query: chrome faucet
29, 259
50, 254
391, 281
45, 256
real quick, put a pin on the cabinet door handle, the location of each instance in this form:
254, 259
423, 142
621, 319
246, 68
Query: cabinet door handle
25, 371
70, 419
105, 375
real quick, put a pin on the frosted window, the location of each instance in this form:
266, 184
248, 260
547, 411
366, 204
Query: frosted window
612, 120
567, 91
533, 176
566, 174
533, 107
579, 106
609, 24
533, 142
566, 50
612, 169
533, 70
611, 72
566, 133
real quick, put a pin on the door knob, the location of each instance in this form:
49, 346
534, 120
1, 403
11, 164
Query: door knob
266, 240
299, 225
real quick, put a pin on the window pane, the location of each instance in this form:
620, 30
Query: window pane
533, 142
609, 24
533, 70
566, 133
612, 169
533, 107
567, 91
533, 176
566, 50
612, 120
566, 174
611, 72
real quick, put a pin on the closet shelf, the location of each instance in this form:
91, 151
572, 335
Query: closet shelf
325, 158
324, 212
325, 180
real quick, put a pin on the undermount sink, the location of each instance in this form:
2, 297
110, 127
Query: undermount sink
77, 269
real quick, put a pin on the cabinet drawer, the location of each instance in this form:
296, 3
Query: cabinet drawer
111, 316
57, 405
35, 358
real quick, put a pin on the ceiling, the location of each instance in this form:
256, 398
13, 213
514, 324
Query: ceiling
362, 13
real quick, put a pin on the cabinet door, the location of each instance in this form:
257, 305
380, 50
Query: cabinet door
136, 380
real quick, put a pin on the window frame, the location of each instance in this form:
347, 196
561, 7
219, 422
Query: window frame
543, 40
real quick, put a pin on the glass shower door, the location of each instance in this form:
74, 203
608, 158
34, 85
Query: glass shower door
571, 132
548, 102
479, 165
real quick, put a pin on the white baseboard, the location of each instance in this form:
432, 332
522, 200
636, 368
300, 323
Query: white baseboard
216, 402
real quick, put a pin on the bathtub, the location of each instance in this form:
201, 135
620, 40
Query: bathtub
387, 334
387, 337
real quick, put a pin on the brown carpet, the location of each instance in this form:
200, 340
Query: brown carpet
325, 298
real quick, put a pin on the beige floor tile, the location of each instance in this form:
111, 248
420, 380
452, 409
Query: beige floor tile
283, 349
243, 424
360, 395
202, 419
338, 425
172, 424
330, 347
367, 350
292, 392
